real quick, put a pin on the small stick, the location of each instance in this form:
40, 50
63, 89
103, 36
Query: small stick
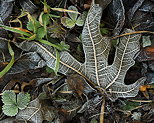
102, 111
131, 33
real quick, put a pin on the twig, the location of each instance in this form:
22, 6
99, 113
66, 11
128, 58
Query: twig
146, 101
102, 111
131, 33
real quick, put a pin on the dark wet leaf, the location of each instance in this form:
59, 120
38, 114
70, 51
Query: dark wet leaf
3, 45
91, 106
117, 15
28, 5
12, 120
147, 6
26, 62
5, 9
102, 3
146, 54
134, 9
139, 19
150, 77
36, 112
76, 83
56, 30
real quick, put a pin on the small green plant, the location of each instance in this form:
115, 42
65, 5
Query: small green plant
104, 31
13, 102
38, 30
73, 18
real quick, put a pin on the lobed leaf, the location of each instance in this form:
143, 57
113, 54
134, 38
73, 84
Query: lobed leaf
10, 110
73, 16
67, 22
23, 100
9, 97
96, 48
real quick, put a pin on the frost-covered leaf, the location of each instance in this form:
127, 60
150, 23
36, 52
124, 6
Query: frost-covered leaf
96, 48
23, 100
28, 5
146, 41
26, 62
136, 116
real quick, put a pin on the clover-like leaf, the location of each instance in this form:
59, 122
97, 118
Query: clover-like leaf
67, 22
81, 19
73, 18
13, 103
23, 100
10, 110
9, 97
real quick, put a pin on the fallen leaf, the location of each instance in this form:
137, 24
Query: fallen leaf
76, 83
109, 78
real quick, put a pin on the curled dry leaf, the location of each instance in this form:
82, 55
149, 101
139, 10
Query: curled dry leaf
76, 83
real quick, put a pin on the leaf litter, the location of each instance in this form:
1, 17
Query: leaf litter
97, 87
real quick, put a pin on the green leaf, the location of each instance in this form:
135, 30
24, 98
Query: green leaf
10, 110
40, 33
130, 106
63, 46
45, 19
57, 62
37, 24
81, 19
67, 22
13, 102
49, 70
50, 44
9, 97
7, 68
23, 100
15, 30
30, 26
104, 31
73, 16
53, 16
